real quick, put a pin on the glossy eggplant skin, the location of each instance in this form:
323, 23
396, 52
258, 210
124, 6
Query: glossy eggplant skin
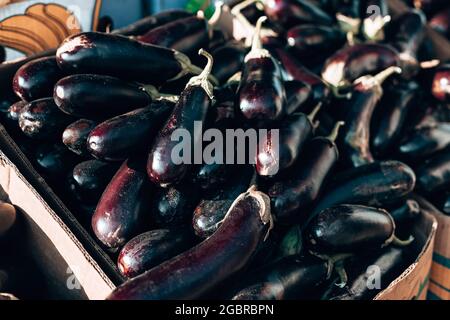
289, 13
36, 79
213, 176
293, 277
98, 97
441, 22
298, 94
293, 135
426, 141
193, 105
54, 160
200, 269
187, 35
228, 60
142, 26
76, 134
261, 93
395, 107
311, 41
441, 84
213, 207
374, 184
151, 248
42, 119
434, 174
304, 184
119, 56
123, 207
90, 178
117, 138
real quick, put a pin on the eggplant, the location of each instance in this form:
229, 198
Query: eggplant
441, 22
351, 229
36, 79
302, 187
123, 207
294, 277
89, 179
261, 93
434, 174
198, 270
119, 56
54, 160
193, 106
76, 134
355, 139
229, 60
151, 248
142, 26
213, 176
8, 218
211, 210
186, 35
42, 119
298, 94
117, 138
441, 84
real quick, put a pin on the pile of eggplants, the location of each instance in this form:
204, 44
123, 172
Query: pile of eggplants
362, 112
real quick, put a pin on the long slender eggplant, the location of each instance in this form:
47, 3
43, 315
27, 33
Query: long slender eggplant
36, 79
375, 15
261, 94
151, 248
312, 41
117, 138
426, 141
76, 134
441, 84
434, 174
119, 56
89, 179
101, 97
441, 22
353, 62
213, 207
274, 157
192, 107
355, 142
304, 184
148, 23
351, 229
229, 60
42, 119
294, 277
395, 107
187, 35
122, 210
198, 270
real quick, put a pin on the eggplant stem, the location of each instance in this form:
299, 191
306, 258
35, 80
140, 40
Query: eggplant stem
313, 114
189, 68
386, 73
350, 38
202, 79
402, 243
335, 132
154, 94
215, 18
336, 93
257, 50
340, 270
429, 64
331, 260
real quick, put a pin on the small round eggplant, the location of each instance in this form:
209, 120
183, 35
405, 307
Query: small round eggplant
198, 270
434, 174
121, 211
151, 248
441, 84
42, 119
76, 134
7, 218
441, 22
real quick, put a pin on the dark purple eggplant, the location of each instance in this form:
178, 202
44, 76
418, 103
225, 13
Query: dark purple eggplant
54, 160
36, 79
76, 134
213, 176
89, 179
434, 175
441, 22
303, 185
353, 62
122, 210
261, 93
375, 15
397, 104
294, 277
8, 218
425, 141
151, 248
42, 119
213, 207
229, 60
298, 94
119, 56
312, 41
117, 138
148, 23
187, 35
200, 269
277, 153
192, 107
441, 84
355, 142
289, 13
